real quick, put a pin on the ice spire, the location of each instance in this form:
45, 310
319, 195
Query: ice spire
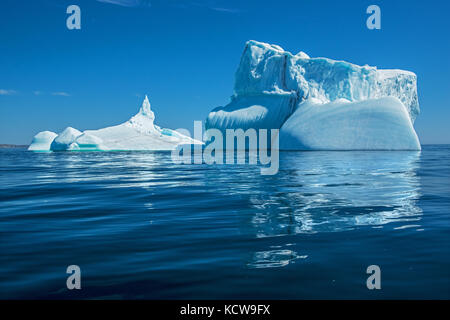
145, 108
143, 120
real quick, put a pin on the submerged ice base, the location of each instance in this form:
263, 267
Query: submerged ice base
138, 133
348, 109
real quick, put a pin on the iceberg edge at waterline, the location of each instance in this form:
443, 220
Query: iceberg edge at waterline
138, 133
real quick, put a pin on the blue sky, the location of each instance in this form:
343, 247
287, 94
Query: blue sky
184, 54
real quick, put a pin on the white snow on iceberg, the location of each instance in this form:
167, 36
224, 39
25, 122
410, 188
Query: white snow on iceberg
138, 133
271, 84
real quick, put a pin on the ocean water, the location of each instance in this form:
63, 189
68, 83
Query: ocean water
142, 227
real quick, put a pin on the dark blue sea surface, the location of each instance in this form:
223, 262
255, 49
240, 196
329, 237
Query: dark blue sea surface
140, 226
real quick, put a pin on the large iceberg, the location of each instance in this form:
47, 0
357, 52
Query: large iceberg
138, 133
319, 103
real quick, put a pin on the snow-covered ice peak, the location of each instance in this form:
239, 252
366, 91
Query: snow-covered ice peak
143, 121
145, 108
302, 55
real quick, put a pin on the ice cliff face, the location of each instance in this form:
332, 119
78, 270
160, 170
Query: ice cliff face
138, 133
272, 83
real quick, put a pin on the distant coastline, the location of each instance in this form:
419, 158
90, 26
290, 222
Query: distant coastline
18, 146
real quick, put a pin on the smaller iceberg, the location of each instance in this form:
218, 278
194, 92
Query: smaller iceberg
138, 133
65, 140
42, 141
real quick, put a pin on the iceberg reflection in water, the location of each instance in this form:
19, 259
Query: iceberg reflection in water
336, 191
